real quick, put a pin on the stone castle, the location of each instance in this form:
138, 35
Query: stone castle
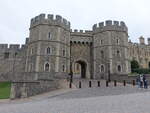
53, 49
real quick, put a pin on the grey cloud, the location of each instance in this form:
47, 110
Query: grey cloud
16, 15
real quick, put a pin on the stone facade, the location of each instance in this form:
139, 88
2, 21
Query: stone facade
140, 52
53, 47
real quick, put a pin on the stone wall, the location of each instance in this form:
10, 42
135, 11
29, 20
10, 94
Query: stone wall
140, 53
127, 78
24, 89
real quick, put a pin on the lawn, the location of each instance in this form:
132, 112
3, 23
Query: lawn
5, 90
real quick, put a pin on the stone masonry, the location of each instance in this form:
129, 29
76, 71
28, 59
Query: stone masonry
53, 47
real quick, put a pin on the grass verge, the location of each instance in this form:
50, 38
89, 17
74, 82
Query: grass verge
5, 90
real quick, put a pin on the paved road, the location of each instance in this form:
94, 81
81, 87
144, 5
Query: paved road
89, 100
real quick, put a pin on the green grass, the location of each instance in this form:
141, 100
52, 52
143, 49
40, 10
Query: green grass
5, 90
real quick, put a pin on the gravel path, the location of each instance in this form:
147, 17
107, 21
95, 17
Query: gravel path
88, 100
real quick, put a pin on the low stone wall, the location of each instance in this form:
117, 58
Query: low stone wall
23, 89
31, 76
127, 78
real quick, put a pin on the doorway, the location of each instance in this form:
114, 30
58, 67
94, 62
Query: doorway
81, 68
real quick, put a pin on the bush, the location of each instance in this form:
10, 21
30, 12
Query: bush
141, 71
134, 64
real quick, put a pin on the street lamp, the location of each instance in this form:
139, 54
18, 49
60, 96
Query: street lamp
109, 72
71, 72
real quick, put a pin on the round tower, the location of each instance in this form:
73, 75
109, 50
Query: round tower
142, 40
110, 46
49, 46
148, 40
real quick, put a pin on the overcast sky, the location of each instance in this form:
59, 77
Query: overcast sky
15, 15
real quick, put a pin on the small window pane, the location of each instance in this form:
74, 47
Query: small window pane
49, 35
48, 50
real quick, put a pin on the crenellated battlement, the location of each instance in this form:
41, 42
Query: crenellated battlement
80, 31
51, 20
87, 33
110, 25
11, 46
3, 46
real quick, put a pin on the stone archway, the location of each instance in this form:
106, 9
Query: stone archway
83, 68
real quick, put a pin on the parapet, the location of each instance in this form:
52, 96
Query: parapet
3, 46
80, 31
49, 19
110, 25
11, 47
27, 40
14, 46
84, 33
23, 46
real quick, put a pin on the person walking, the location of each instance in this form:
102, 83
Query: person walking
141, 81
138, 81
145, 82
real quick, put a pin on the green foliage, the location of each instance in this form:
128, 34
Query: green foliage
134, 65
135, 68
5, 90
141, 71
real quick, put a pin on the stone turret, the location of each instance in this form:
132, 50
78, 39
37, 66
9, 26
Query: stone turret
49, 19
148, 40
142, 40
110, 26
48, 46
110, 42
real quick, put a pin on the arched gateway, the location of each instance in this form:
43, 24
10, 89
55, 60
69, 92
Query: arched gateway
80, 68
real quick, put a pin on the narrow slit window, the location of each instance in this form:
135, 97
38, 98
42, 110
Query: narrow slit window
49, 35
48, 50
63, 68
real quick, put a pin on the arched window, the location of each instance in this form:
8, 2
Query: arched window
118, 53
46, 67
102, 68
102, 54
119, 68
48, 50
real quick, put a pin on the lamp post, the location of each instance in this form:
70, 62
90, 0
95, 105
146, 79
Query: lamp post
109, 72
71, 72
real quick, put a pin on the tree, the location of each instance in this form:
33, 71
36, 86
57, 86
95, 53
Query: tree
134, 65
